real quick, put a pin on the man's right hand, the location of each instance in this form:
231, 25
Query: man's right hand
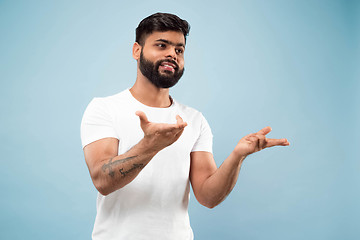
160, 135
110, 171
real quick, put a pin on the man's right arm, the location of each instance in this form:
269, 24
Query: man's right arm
110, 171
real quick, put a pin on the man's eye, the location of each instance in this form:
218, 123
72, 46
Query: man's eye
179, 51
161, 45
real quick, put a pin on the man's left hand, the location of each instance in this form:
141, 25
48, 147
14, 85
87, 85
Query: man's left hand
257, 141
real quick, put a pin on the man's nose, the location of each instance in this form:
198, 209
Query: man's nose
171, 53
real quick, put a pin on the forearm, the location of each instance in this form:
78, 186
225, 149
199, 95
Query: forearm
211, 185
114, 173
218, 186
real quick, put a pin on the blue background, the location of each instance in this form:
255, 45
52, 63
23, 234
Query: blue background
293, 65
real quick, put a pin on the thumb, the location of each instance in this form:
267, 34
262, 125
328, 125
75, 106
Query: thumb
142, 116
180, 122
264, 131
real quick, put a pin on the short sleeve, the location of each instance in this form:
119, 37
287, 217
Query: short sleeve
205, 139
97, 123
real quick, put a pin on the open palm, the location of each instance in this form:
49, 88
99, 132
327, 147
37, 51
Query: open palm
161, 135
255, 142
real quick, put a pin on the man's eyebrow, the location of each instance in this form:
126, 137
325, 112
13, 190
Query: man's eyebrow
171, 43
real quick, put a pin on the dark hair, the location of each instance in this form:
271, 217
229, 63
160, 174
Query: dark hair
161, 22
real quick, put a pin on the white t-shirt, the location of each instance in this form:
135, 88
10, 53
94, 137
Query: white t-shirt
155, 204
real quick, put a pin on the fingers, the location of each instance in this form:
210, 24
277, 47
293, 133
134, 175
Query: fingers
276, 142
147, 126
179, 121
262, 142
264, 131
272, 142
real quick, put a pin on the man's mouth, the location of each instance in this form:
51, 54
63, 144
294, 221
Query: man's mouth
168, 66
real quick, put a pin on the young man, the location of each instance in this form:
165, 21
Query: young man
143, 148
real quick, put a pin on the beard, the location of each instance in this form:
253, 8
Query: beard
161, 80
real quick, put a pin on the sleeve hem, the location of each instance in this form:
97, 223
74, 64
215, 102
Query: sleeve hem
94, 139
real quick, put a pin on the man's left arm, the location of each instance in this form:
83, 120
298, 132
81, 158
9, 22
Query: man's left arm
210, 184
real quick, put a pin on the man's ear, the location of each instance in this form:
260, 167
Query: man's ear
136, 51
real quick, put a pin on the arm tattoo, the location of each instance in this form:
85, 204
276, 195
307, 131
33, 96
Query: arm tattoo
111, 164
135, 166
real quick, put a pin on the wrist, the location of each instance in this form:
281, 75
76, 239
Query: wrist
149, 146
239, 156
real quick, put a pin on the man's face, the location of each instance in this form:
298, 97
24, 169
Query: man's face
162, 58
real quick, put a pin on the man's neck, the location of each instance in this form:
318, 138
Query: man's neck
146, 93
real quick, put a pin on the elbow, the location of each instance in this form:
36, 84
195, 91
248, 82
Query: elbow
104, 186
209, 203
101, 186
102, 190
212, 200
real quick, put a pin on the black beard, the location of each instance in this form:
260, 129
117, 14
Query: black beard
151, 72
